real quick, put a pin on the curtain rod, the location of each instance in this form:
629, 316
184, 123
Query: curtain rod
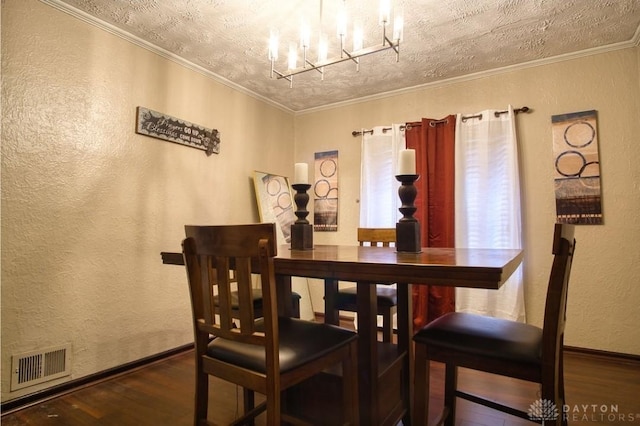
433, 123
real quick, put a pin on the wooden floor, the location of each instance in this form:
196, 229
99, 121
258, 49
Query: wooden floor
600, 391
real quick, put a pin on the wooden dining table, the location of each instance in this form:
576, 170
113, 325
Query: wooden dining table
385, 368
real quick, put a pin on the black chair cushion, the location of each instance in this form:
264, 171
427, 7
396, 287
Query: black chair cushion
300, 342
484, 336
386, 296
257, 298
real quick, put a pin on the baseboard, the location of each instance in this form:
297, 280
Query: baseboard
92, 379
611, 356
73, 385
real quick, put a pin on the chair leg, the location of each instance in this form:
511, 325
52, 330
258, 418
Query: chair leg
420, 386
202, 399
351, 415
561, 385
450, 385
249, 402
274, 401
552, 387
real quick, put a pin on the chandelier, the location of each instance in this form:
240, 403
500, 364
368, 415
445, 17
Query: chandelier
322, 60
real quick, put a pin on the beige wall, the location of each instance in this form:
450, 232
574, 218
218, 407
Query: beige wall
87, 204
604, 293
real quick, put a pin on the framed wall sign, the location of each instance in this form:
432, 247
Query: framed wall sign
164, 127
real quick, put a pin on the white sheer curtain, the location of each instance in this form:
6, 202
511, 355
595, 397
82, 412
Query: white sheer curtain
379, 200
488, 205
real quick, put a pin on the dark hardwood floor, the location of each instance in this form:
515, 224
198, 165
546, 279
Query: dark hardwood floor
600, 391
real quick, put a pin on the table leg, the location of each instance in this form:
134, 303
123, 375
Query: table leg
331, 314
284, 295
405, 335
367, 354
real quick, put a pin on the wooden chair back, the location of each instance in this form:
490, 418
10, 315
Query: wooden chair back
556, 307
500, 346
251, 354
219, 256
383, 237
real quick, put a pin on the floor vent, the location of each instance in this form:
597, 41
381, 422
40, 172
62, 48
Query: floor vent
41, 366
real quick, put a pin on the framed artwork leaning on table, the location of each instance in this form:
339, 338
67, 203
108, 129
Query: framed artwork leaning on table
275, 204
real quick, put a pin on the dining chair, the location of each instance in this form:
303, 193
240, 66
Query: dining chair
501, 347
386, 297
266, 355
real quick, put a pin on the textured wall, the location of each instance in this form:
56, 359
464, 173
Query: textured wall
87, 204
604, 292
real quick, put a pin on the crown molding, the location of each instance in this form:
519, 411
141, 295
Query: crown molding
57, 4
83, 16
634, 42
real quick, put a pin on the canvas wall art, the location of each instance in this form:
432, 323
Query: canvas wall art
325, 191
577, 168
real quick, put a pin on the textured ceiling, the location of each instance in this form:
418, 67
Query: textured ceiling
442, 39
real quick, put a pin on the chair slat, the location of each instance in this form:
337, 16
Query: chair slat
223, 284
245, 295
377, 236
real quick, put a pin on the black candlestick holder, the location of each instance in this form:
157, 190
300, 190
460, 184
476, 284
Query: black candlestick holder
408, 227
301, 229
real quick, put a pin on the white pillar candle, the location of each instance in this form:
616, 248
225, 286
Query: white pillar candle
407, 162
301, 173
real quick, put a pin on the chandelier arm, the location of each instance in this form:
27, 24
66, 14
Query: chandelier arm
395, 47
281, 75
352, 56
313, 67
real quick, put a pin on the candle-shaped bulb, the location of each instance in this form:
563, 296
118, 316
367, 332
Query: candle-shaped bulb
292, 59
407, 162
342, 20
301, 173
305, 34
358, 36
323, 48
385, 11
273, 45
398, 25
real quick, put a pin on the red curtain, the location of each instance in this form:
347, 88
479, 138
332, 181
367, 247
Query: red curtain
434, 142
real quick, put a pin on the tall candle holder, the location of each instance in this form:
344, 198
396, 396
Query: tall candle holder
301, 229
408, 227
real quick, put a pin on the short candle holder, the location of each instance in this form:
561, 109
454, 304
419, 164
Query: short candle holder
301, 229
408, 227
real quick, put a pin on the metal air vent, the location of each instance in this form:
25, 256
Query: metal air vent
40, 366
